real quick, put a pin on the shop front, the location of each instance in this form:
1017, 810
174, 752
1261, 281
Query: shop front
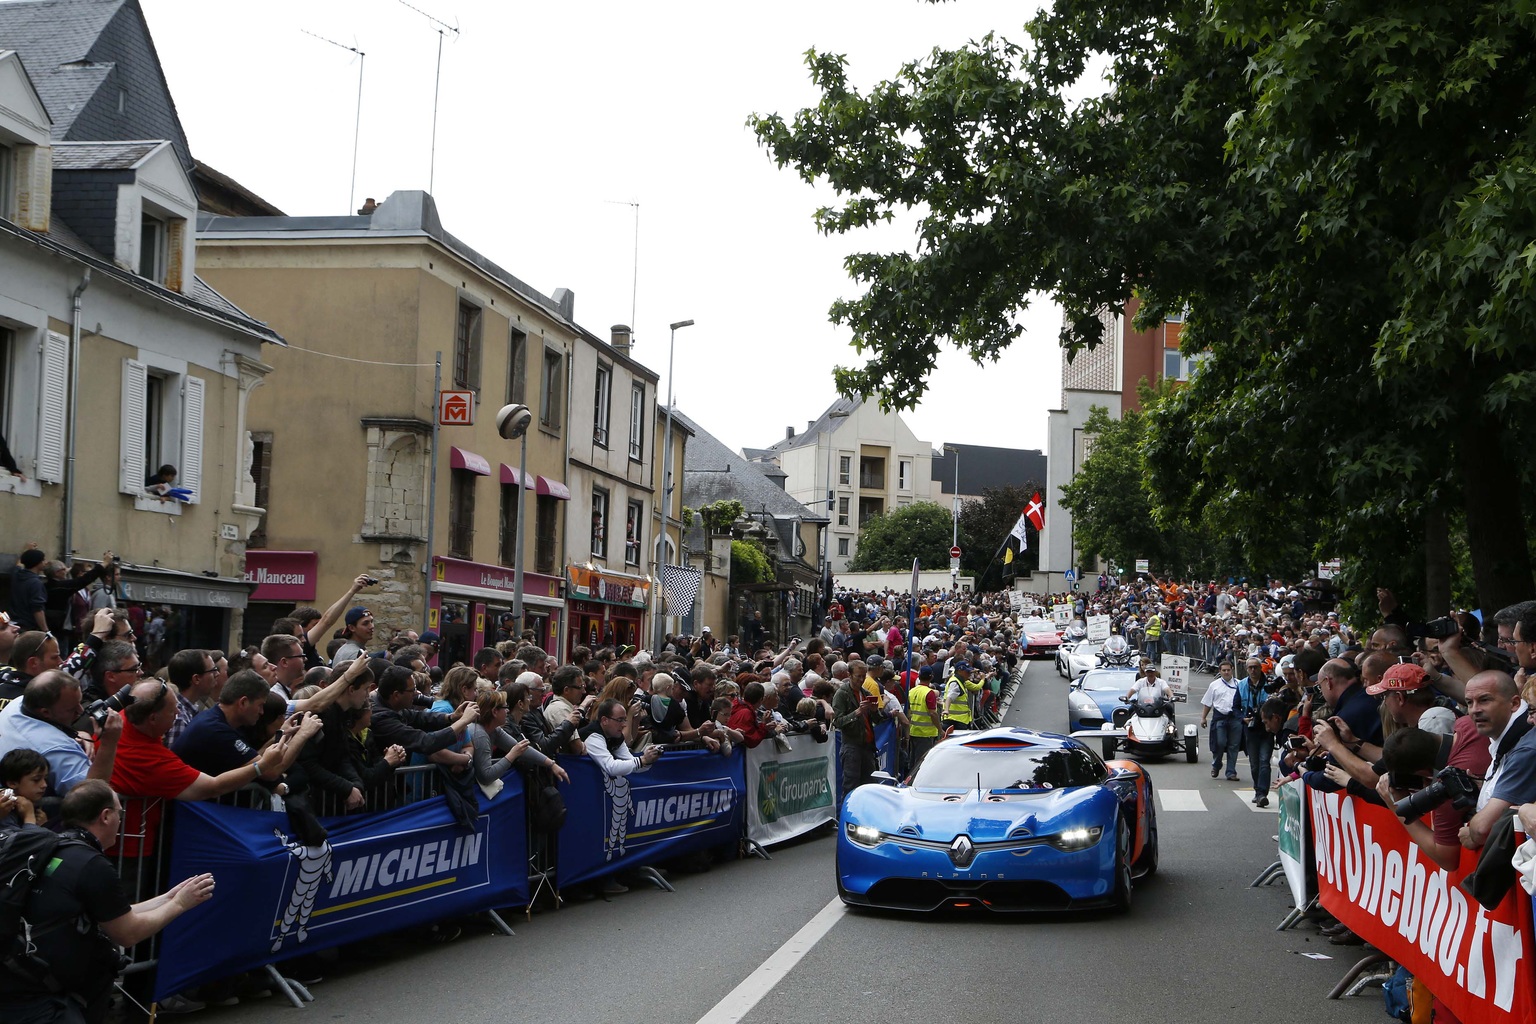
470, 602
284, 580
604, 608
197, 610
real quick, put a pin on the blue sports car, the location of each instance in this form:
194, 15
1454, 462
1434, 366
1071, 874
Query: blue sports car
1003, 819
1093, 699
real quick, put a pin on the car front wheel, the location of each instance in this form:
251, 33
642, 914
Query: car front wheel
1121, 900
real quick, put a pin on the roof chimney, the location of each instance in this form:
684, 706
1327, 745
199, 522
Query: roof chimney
621, 337
565, 301
369, 205
789, 432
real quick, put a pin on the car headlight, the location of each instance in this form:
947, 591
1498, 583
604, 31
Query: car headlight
1082, 702
1077, 838
864, 835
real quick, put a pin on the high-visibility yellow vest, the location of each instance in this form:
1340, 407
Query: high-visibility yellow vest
1155, 627
957, 706
923, 724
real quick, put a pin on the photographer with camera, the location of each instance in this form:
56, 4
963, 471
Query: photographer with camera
43, 720
1425, 772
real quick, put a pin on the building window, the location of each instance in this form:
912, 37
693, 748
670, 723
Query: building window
633, 524
868, 509
1177, 366
842, 547
546, 528
552, 389
509, 493
601, 395
599, 523
904, 475
261, 476
872, 473
461, 513
466, 346
152, 241
842, 511
844, 469
517, 368
637, 422
154, 420
7, 374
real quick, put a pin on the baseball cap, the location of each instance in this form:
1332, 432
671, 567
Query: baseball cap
926, 670
962, 665
356, 614
1289, 661
1405, 676
430, 637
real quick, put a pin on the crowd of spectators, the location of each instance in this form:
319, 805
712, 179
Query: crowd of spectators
320, 718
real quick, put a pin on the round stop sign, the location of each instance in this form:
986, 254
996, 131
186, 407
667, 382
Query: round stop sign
954, 552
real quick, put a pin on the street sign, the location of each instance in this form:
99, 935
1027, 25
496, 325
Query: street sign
1098, 627
455, 408
954, 552
1070, 575
1176, 674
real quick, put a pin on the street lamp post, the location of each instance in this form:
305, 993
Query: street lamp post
512, 423
666, 489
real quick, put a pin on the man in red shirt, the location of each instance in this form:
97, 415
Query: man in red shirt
147, 769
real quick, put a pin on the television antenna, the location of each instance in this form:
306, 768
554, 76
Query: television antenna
357, 123
634, 284
442, 28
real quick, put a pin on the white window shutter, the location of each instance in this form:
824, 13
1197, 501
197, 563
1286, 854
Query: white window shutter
52, 406
131, 468
190, 473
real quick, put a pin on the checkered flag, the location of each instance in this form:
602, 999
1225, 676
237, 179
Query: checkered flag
679, 586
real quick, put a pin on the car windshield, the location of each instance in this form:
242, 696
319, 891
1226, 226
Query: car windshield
955, 768
1100, 679
1088, 649
1036, 626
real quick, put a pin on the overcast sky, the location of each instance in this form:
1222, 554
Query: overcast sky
553, 119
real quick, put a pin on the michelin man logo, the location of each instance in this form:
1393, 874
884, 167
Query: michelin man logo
619, 804
314, 865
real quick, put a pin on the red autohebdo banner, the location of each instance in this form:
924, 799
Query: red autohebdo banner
1372, 877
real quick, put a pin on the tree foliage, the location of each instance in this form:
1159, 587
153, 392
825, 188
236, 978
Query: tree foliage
888, 542
718, 516
749, 563
1339, 193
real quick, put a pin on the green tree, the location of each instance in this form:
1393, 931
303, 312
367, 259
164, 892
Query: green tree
985, 522
1337, 192
888, 542
749, 563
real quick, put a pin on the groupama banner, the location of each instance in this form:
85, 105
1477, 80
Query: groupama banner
688, 800
1372, 877
276, 898
790, 792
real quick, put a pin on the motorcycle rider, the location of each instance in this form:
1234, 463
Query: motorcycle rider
1151, 691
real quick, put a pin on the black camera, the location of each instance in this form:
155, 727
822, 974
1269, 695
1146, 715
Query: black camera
1315, 763
97, 710
1449, 783
369, 581
1434, 629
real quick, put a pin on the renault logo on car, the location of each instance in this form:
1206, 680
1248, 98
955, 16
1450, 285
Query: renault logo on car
962, 851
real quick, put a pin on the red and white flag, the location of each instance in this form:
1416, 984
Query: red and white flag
1035, 511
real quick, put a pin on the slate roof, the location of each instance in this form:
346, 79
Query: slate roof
810, 435
983, 466
712, 472
101, 156
71, 48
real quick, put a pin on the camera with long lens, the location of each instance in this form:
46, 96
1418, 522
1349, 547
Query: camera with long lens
97, 710
1434, 629
1449, 783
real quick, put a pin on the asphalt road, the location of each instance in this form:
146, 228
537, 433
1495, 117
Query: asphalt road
1198, 946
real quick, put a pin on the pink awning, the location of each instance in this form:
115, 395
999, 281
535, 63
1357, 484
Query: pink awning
458, 458
553, 488
509, 476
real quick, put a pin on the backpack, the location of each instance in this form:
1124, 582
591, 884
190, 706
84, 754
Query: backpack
24, 855
546, 804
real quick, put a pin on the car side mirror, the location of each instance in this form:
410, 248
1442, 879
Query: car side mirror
884, 778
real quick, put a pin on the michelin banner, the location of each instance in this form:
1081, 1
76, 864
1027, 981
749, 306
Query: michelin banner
1373, 878
276, 898
689, 800
790, 792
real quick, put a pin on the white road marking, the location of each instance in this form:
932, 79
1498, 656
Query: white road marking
1246, 796
741, 999
1180, 800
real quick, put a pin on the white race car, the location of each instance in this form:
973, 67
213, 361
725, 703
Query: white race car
1082, 656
